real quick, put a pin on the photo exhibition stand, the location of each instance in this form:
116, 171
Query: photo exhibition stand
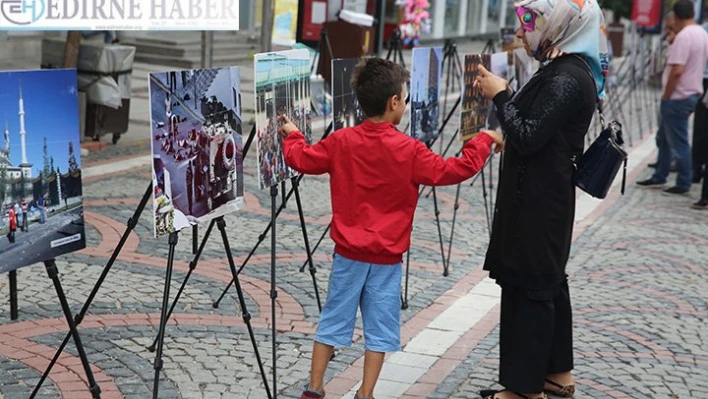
157, 346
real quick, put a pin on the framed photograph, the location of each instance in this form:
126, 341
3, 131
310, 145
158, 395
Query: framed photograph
425, 93
40, 168
282, 88
197, 146
345, 106
475, 108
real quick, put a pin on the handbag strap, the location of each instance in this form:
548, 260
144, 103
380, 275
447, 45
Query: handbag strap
599, 101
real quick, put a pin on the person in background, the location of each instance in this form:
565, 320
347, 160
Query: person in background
12, 220
700, 142
25, 222
18, 214
682, 84
42, 211
109, 36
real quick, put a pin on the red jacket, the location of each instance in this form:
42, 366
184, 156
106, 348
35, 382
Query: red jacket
375, 173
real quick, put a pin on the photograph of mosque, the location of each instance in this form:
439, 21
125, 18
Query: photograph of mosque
345, 106
282, 88
40, 167
197, 146
425, 93
475, 108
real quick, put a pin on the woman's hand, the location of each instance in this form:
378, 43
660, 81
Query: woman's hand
288, 127
489, 83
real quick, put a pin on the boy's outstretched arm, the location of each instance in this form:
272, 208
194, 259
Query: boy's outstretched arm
304, 158
430, 169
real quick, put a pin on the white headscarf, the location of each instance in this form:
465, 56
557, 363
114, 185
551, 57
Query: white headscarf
570, 27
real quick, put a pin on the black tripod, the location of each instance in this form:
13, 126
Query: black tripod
395, 48
165, 314
53, 273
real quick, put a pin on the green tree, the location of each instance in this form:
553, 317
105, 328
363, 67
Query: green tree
73, 165
51, 162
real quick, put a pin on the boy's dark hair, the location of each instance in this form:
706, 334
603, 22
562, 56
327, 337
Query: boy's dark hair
684, 9
375, 80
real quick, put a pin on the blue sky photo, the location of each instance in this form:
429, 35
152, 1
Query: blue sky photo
51, 111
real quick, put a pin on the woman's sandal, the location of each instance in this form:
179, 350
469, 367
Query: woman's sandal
567, 391
491, 394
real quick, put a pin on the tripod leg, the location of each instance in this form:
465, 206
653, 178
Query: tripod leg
273, 291
132, 222
242, 301
285, 199
53, 273
303, 225
446, 272
261, 238
12, 276
314, 249
486, 203
192, 266
404, 299
437, 222
163, 316
195, 239
491, 184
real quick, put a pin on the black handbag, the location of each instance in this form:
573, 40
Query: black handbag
598, 166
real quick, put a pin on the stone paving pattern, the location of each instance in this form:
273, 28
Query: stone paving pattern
638, 280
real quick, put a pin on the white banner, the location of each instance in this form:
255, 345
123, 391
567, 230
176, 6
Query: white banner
177, 15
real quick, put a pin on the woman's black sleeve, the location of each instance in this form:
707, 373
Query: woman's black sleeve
528, 131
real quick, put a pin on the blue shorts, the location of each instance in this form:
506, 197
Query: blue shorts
374, 288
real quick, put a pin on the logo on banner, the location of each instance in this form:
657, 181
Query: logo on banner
22, 12
119, 14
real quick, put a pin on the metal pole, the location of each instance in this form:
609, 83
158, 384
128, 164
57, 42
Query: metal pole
252, 24
266, 25
380, 29
204, 50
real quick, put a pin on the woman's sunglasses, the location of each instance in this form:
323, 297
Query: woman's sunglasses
527, 19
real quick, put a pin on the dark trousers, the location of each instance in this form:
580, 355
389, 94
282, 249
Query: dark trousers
536, 337
699, 153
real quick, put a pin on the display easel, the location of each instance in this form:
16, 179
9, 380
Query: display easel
157, 345
395, 48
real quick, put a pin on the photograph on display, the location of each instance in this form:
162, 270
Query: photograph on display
197, 146
425, 93
500, 66
347, 112
475, 107
282, 88
40, 167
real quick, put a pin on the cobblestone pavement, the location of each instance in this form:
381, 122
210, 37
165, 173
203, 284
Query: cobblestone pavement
638, 277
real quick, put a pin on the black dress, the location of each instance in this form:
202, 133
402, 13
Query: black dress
545, 125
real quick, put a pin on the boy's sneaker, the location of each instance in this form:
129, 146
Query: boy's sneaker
651, 182
311, 394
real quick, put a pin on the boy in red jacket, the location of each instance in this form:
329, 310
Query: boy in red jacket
375, 173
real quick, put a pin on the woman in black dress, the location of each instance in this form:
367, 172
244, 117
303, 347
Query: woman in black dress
545, 125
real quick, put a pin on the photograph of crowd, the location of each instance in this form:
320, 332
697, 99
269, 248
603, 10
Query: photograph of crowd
347, 112
500, 67
197, 146
425, 93
475, 107
40, 168
282, 88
